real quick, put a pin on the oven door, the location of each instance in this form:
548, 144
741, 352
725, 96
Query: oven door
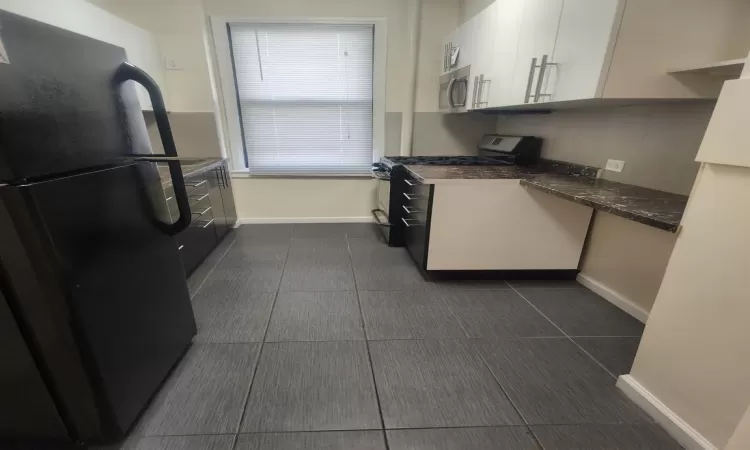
380, 214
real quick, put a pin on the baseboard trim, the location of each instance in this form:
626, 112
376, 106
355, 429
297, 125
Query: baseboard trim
686, 435
614, 297
261, 220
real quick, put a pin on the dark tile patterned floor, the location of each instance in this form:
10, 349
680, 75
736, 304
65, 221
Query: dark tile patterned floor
321, 337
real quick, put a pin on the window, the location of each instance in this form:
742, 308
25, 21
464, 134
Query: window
304, 97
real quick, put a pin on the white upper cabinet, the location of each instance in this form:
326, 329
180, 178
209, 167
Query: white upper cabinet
524, 53
536, 45
575, 69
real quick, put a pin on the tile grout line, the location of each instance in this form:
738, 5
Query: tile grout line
262, 346
367, 345
563, 332
214, 268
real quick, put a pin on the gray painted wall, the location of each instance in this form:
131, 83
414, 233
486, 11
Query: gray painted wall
657, 142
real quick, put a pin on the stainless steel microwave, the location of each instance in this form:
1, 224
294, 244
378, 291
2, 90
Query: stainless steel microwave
454, 90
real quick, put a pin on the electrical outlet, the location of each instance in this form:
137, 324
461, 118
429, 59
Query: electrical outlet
615, 165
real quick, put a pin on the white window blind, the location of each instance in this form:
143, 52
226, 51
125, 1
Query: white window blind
305, 96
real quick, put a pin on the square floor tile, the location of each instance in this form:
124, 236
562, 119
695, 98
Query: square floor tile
580, 312
316, 316
320, 246
545, 284
318, 273
551, 381
312, 386
269, 256
381, 268
408, 315
205, 442
485, 438
229, 312
488, 314
334, 229
265, 230
325, 440
432, 384
601, 437
615, 354
206, 393
201, 273
464, 285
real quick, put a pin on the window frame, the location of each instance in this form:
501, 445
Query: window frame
227, 89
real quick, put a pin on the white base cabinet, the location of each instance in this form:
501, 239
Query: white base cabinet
495, 225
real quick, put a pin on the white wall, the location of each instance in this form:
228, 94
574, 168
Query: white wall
740, 440
658, 144
83, 18
695, 353
178, 27
470, 8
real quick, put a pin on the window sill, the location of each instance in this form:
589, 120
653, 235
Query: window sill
245, 174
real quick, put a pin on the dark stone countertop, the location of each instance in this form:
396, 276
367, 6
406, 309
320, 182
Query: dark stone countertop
658, 209
662, 210
190, 166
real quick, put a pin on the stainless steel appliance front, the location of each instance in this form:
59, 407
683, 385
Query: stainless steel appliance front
454, 90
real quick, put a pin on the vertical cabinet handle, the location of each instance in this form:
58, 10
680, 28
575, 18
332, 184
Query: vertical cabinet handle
540, 82
476, 88
532, 70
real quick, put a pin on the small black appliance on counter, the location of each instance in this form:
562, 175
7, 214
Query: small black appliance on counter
493, 149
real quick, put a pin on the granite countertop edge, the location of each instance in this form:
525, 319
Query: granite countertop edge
661, 210
664, 224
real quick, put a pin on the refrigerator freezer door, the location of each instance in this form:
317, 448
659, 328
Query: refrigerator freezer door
117, 284
26, 409
61, 109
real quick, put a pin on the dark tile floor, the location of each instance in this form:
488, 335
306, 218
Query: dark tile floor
321, 337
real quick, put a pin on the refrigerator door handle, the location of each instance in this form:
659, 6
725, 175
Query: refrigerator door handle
128, 72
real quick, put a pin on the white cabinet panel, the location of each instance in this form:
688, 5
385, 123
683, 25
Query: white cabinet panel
539, 25
586, 34
504, 24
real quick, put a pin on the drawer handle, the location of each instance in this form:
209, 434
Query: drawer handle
196, 185
208, 223
408, 225
180, 247
411, 184
169, 198
200, 199
410, 211
204, 212
412, 197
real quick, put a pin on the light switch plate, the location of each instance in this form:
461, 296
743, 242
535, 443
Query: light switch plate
615, 165
172, 64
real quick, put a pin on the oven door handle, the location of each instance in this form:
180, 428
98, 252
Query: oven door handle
377, 218
381, 176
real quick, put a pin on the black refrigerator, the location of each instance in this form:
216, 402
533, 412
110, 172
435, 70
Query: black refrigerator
94, 305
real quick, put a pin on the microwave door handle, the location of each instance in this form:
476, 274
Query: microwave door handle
463, 102
129, 72
451, 84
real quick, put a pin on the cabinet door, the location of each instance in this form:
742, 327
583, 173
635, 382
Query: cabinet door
481, 53
500, 30
582, 47
539, 25
215, 178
